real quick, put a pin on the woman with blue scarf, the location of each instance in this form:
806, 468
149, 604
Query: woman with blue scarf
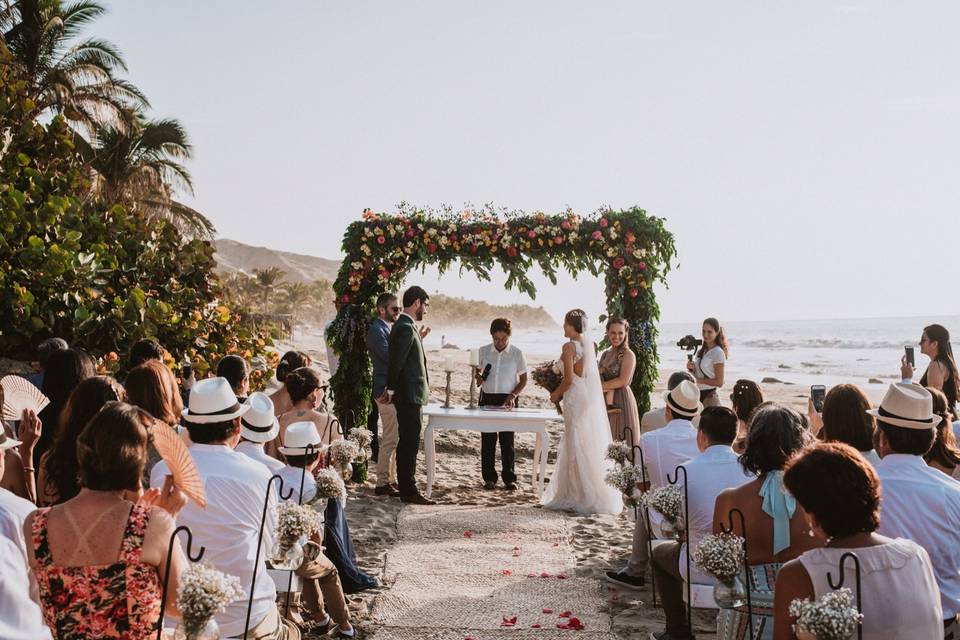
777, 528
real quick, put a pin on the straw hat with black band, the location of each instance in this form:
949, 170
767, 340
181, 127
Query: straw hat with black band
906, 405
259, 424
213, 400
684, 400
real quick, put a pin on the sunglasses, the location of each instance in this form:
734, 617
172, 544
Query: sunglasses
394, 309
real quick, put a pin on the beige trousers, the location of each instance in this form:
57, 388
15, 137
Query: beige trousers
273, 627
389, 437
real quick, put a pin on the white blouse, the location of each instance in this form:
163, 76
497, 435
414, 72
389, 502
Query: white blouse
900, 597
505, 368
704, 366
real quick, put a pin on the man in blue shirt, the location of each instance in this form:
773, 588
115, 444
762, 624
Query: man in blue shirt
378, 343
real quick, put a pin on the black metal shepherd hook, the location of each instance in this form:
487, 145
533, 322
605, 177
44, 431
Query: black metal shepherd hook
309, 451
686, 523
256, 557
746, 567
646, 515
166, 573
628, 438
856, 576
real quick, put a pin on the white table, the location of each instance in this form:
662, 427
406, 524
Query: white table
487, 421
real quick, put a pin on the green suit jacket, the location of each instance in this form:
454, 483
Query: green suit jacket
407, 374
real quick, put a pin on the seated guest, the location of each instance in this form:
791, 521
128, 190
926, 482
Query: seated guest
840, 493
656, 418
58, 467
745, 397
319, 573
44, 350
290, 362
663, 450
257, 427
99, 559
776, 527
20, 617
144, 351
237, 372
229, 526
944, 454
13, 509
65, 370
845, 419
306, 392
715, 469
919, 503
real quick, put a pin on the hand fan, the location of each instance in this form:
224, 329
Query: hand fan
178, 459
18, 394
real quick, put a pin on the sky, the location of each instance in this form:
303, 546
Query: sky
803, 153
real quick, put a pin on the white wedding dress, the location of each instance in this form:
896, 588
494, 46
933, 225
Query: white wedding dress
577, 483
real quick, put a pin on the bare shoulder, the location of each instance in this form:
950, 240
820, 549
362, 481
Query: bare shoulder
569, 348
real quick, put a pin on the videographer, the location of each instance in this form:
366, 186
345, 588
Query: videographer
707, 367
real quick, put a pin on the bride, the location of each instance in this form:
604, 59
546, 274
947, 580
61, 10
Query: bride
578, 483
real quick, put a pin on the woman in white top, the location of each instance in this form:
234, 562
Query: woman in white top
840, 493
500, 386
707, 367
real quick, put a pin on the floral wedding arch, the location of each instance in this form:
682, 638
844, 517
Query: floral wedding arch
629, 248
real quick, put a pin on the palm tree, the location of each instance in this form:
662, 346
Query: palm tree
74, 78
297, 298
267, 279
140, 167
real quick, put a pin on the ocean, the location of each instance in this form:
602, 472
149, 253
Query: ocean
801, 352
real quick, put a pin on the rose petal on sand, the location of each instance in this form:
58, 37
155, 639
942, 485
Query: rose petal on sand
575, 623
566, 614
516, 548
562, 576
544, 575
468, 534
506, 572
547, 610
508, 622
531, 575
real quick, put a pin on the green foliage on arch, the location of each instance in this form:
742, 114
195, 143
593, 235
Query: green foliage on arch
631, 249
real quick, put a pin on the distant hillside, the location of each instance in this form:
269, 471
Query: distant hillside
448, 310
236, 257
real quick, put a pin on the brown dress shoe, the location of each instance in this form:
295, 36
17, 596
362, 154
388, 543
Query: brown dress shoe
416, 498
385, 490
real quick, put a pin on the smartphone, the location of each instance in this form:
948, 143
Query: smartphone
910, 358
186, 370
817, 393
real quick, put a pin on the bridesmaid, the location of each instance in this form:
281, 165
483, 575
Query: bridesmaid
617, 365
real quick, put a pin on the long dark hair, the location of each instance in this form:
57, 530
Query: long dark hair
845, 417
574, 318
951, 386
721, 338
944, 450
85, 402
745, 397
65, 370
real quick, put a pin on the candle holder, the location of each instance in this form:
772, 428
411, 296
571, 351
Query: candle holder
473, 386
446, 404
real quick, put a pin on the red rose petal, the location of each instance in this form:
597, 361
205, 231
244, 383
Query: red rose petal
547, 610
535, 626
560, 625
544, 575
575, 624
516, 548
506, 572
531, 575
562, 576
467, 534
566, 614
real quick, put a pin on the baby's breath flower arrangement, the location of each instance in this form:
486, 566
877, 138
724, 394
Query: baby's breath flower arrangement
668, 501
619, 452
625, 479
343, 452
203, 593
832, 617
330, 485
363, 438
720, 555
295, 522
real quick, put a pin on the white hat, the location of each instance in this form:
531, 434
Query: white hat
259, 425
907, 405
298, 437
7, 442
684, 400
213, 400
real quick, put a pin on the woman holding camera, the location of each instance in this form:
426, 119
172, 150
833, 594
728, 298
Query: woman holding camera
707, 367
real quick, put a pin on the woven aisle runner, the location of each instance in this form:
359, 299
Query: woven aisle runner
457, 572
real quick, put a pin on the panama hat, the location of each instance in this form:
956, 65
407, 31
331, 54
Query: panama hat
213, 400
907, 405
684, 400
259, 424
298, 437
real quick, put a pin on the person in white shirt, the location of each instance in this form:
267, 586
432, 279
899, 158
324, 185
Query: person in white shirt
228, 527
919, 502
709, 364
663, 450
502, 376
258, 427
13, 511
656, 418
714, 470
20, 615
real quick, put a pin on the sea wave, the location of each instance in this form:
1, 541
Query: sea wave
808, 343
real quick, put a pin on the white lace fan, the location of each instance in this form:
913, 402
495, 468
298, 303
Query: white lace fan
18, 394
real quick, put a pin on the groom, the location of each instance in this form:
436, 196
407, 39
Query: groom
408, 389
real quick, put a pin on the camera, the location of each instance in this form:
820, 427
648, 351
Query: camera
690, 344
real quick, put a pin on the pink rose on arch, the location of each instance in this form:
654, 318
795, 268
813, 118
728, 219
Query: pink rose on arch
531, 234
344, 298
432, 248
565, 225
618, 263
603, 222
558, 240
512, 252
641, 266
411, 233
597, 235
634, 292
381, 239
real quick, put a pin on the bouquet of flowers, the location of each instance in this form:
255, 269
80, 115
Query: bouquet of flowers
832, 617
203, 593
548, 375
619, 452
668, 501
330, 485
720, 555
343, 452
625, 479
363, 438
294, 522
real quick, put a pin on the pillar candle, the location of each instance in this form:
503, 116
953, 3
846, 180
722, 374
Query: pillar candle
475, 357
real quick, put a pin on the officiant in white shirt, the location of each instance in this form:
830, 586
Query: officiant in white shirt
502, 375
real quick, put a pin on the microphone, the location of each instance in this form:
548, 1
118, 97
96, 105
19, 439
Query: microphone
486, 372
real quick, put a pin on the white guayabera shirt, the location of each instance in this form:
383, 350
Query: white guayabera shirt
505, 368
